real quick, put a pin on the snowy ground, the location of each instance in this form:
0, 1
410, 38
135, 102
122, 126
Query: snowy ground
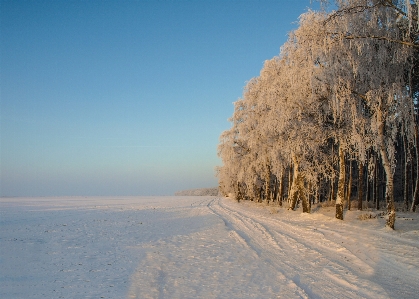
199, 247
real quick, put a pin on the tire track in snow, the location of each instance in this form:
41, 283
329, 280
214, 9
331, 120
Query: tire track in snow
259, 240
294, 250
366, 253
338, 263
394, 259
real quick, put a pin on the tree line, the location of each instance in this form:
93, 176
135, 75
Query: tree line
333, 117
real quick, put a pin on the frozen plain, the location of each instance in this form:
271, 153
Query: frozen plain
199, 247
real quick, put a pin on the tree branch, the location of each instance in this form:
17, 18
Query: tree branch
361, 8
349, 10
410, 44
388, 3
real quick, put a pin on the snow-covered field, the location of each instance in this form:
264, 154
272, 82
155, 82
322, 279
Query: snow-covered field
199, 247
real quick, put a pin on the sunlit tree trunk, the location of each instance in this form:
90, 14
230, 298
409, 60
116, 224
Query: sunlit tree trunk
239, 194
293, 194
297, 188
348, 196
310, 196
360, 184
316, 195
405, 175
332, 184
267, 183
341, 185
303, 195
281, 189
412, 176
389, 194
290, 180
367, 181
415, 201
375, 180
274, 189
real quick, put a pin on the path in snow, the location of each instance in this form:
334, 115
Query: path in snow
327, 258
199, 247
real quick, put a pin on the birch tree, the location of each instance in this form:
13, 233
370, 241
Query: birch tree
381, 65
347, 80
380, 52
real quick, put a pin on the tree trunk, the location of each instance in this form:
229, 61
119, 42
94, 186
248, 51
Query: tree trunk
332, 185
375, 190
367, 181
360, 184
304, 199
317, 196
412, 175
290, 180
281, 189
268, 183
275, 190
239, 195
349, 186
317, 191
389, 194
341, 185
415, 201
406, 175
297, 188
293, 194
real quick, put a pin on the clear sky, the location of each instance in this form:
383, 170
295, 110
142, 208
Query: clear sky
126, 97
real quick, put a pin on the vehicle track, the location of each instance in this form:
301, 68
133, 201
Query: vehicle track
260, 241
301, 255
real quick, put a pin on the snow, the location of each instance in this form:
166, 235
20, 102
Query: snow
200, 247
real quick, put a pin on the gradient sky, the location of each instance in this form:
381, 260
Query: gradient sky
126, 97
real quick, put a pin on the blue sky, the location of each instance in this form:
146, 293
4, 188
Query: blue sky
126, 97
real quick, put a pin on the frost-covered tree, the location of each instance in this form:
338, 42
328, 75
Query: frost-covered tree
330, 80
380, 66
334, 85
